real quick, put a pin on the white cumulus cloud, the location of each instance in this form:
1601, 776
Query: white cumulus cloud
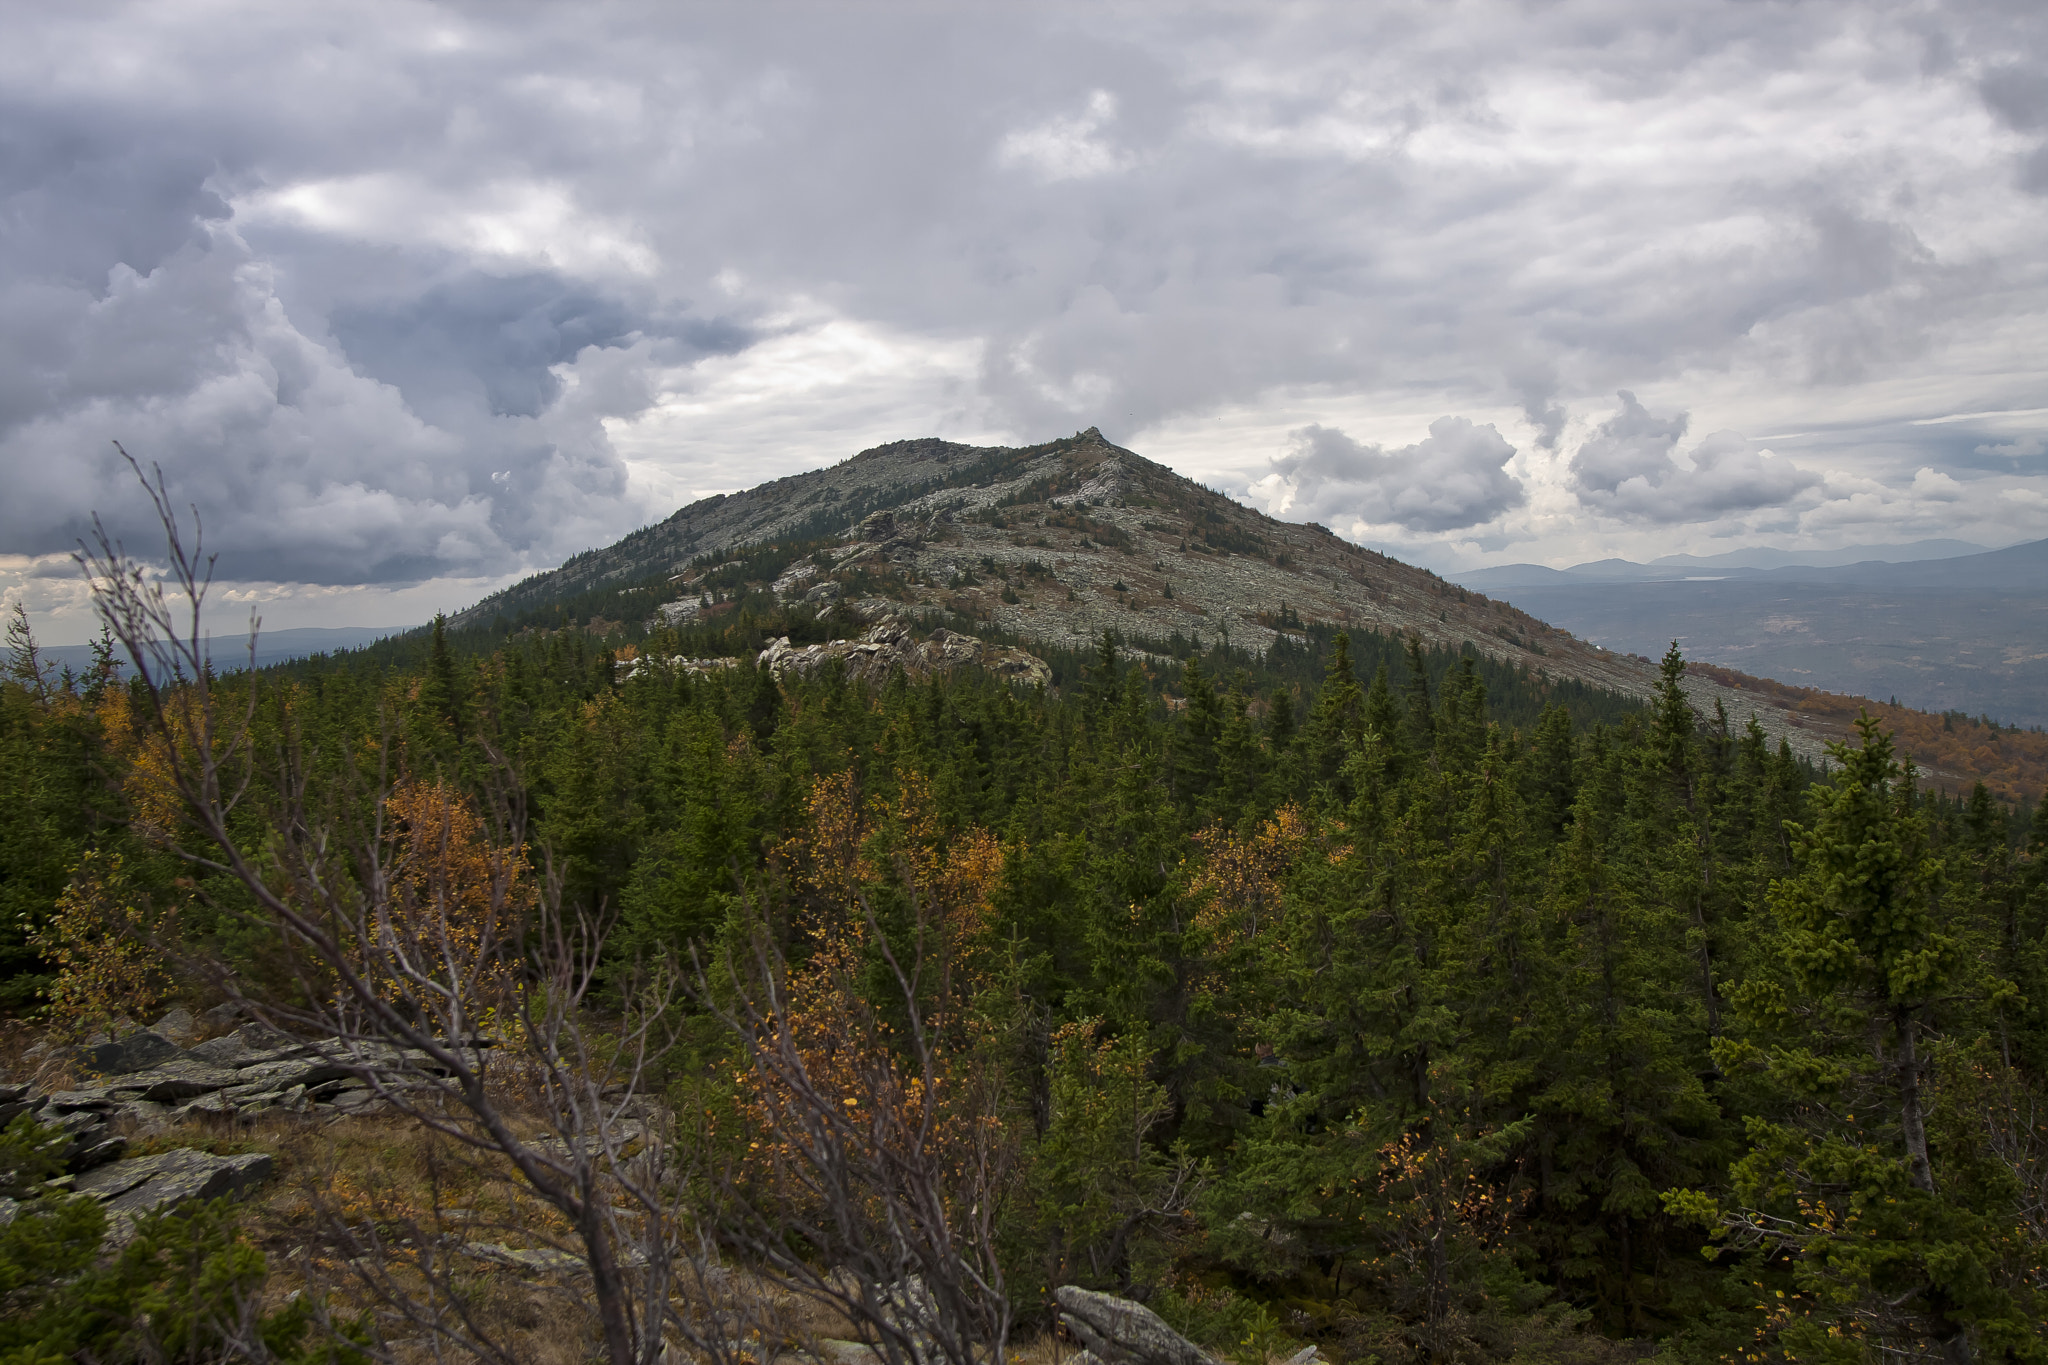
1630, 468
1452, 479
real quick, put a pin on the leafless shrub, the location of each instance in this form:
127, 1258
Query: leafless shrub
882, 1162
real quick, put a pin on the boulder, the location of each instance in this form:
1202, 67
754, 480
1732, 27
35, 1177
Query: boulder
148, 1114
176, 1025
834, 1351
96, 1149
1120, 1332
222, 1051
910, 1308
137, 1052
220, 1016
291, 1071
887, 646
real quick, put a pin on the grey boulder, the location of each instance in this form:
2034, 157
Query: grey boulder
1119, 1332
14, 1102
220, 1016
176, 1025
87, 1138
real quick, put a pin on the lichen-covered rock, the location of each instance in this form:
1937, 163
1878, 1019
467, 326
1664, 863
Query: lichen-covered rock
14, 1102
147, 1184
1121, 1332
249, 1045
89, 1137
300, 1071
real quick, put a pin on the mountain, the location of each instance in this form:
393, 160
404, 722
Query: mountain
1057, 543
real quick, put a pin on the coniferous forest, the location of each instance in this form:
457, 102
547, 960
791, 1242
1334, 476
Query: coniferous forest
1375, 998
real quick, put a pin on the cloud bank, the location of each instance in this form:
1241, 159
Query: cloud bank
406, 293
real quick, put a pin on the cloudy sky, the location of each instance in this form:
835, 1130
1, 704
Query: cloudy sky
414, 299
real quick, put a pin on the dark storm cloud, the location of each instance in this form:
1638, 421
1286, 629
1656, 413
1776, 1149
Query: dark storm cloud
491, 343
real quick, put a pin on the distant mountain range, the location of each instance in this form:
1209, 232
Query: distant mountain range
272, 646
1941, 630
1762, 560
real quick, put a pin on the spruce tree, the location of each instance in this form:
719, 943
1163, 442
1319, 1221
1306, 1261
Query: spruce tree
1840, 1184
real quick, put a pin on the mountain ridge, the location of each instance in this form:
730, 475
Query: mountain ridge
1099, 511
1060, 541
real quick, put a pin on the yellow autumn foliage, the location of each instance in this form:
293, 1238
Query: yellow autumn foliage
100, 938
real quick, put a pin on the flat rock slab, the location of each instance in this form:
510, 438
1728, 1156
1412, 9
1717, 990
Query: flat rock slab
283, 1075
248, 1045
179, 1080
146, 1184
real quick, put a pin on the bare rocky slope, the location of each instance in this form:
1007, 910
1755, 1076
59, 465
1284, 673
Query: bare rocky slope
1061, 541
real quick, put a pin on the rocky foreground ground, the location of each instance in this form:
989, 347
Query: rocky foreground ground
145, 1082
149, 1080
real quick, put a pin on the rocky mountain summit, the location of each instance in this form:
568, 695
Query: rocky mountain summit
1060, 542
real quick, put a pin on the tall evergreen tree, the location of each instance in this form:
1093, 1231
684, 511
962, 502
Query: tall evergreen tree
1841, 1182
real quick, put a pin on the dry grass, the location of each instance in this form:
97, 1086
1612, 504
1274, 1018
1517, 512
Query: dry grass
414, 1193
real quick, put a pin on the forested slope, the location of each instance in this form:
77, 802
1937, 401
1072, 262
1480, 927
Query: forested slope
1335, 1010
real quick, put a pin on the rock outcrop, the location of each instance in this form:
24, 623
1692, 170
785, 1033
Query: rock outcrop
888, 646
248, 1072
